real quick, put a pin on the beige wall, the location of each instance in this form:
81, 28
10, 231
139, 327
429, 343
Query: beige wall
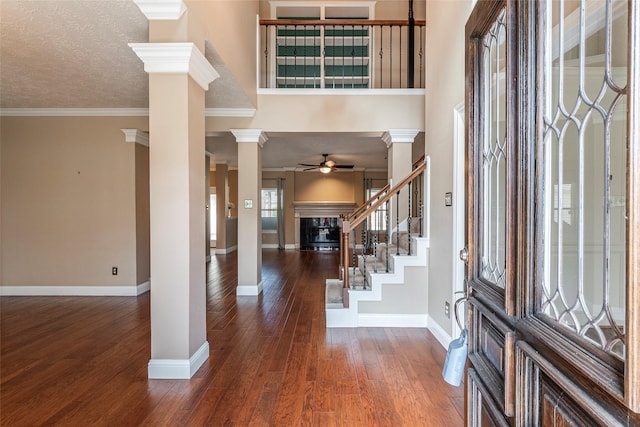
319, 187
330, 113
445, 89
231, 27
69, 207
143, 265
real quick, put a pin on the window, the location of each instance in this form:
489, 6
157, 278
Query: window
269, 209
377, 220
212, 215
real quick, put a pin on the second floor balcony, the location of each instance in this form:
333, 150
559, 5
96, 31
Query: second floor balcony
356, 54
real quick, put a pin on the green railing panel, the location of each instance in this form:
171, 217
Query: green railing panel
346, 51
299, 70
299, 51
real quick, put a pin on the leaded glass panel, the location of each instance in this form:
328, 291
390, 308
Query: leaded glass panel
585, 142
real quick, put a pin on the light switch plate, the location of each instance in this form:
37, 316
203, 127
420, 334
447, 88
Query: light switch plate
248, 204
448, 199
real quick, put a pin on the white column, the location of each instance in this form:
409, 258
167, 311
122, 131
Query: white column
179, 74
250, 142
399, 152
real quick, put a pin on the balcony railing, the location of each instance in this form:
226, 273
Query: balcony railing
341, 54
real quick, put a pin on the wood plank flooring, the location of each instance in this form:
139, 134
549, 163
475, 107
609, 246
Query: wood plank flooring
82, 361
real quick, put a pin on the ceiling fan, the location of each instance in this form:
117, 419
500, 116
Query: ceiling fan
326, 166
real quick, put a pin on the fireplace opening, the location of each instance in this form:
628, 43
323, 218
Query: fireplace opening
322, 233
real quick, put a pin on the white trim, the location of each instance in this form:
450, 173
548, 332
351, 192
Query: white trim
256, 136
137, 136
225, 251
164, 10
172, 58
102, 291
143, 287
441, 335
459, 202
269, 246
373, 320
393, 136
249, 290
290, 247
345, 92
74, 112
169, 369
229, 112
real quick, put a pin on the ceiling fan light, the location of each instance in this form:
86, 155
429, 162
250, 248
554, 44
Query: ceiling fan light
325, 169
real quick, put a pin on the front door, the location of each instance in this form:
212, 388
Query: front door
553, 213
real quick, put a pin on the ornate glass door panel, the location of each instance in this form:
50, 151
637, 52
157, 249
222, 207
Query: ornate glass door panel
585, 171
553, 196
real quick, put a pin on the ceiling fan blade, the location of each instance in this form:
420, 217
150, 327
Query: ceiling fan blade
343, 166
308, 165
308, 169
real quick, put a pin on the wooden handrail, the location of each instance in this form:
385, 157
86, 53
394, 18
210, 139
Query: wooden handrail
342, 22
417, 162
354, 221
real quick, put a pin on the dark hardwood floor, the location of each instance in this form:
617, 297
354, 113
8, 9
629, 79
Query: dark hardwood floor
82, 361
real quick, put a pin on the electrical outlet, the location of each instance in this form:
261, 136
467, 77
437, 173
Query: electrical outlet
114, 271
447, 309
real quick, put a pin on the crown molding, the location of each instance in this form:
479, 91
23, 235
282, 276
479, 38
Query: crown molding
172, 58
161, 9
229, 112
70, 112
399, 135
137, 136
250, 135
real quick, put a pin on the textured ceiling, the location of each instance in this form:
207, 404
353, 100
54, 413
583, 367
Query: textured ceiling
71, 54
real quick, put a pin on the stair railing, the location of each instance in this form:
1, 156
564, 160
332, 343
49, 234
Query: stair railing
360, 217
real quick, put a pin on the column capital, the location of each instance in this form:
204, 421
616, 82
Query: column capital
137, 136
161, 9
399, 135
176, 58
250, 135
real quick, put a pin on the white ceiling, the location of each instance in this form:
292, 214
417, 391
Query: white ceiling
75, 54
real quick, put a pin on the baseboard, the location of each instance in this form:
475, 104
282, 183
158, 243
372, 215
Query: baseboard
441, 335
143, 287
226, 250
93, 291
166, 369
269, 246
392, 320
249, 290
290, 247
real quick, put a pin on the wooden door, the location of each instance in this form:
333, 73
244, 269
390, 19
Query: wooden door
553, 203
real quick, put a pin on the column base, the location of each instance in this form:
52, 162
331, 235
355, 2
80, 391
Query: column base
249, 290
176, 369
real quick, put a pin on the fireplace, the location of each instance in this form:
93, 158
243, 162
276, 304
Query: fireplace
321, 233
318, 224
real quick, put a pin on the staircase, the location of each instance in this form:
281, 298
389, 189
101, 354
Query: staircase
385, 283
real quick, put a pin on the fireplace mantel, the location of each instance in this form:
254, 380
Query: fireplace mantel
323, 208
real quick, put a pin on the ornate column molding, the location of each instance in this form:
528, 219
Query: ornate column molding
137, 136
250, 135
399, 135
175, 58
161, 9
